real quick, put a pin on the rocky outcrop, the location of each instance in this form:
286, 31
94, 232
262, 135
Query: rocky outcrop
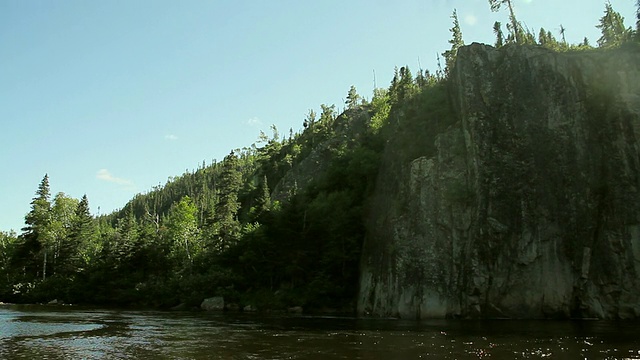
530, 207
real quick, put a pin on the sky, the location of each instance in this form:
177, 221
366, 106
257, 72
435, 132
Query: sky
111, 98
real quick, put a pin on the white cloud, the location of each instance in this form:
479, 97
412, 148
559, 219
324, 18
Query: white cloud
528, 1
105, 175
470, 19
254, 122
171, 137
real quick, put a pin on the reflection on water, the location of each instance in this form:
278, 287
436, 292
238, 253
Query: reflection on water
71, 333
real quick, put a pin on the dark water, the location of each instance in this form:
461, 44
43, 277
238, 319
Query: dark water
72, 333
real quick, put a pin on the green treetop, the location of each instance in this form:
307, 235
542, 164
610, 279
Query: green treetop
353, 99
455, 41
38, 221
612, 28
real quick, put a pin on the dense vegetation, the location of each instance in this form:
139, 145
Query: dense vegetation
277, 224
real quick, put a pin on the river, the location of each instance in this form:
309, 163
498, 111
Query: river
43, 332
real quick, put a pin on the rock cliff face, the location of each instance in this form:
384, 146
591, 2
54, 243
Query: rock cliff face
530, 207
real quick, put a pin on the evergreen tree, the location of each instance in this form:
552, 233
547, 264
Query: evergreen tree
38, 222
81, 247
353, 99
514, 26
562, 34
612, 28
455, 41
263, 202
638, 20
227, 226
542, 37
497, 30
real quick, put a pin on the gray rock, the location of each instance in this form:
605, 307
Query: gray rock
295, 310
215, 303
529, 206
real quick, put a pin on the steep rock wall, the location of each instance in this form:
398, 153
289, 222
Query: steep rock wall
530, 207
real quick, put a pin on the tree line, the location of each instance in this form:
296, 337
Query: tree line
279, 223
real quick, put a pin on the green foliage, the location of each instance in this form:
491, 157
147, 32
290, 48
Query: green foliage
455, 41
514, 26
638, 20
353, 99
273, 225
182, 233
497, 30
612, 28
380, 107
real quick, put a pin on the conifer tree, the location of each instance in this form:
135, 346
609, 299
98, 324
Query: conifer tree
455, 41
38, 221
226, 221
497, 30
638, 20
612, 28
353, 98
263, 201
542, 37
82, 236
514, 27
563, 30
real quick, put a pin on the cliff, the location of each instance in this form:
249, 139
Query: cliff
529, 207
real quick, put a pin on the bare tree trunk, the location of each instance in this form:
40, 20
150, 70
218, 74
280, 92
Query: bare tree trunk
44, 265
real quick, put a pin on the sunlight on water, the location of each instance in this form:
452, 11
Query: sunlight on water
69, 333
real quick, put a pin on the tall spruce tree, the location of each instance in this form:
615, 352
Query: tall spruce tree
38, 222
227, 226
82, 238
612, 28
353, 98
455, 41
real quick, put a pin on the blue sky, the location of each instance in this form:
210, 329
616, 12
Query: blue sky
111, 98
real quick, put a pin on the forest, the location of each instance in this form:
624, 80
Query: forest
277, 224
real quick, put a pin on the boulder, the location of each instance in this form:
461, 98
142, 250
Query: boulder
215, 303
295, 310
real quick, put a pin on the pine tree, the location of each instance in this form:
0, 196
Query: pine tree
455, 41
497, 30
542, 37
38, 222
353, 99
264, 200
227, 226
82, 237
638, 20
563, 30
514, 26
612, 28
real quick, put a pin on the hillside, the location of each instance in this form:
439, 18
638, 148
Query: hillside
504, 185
